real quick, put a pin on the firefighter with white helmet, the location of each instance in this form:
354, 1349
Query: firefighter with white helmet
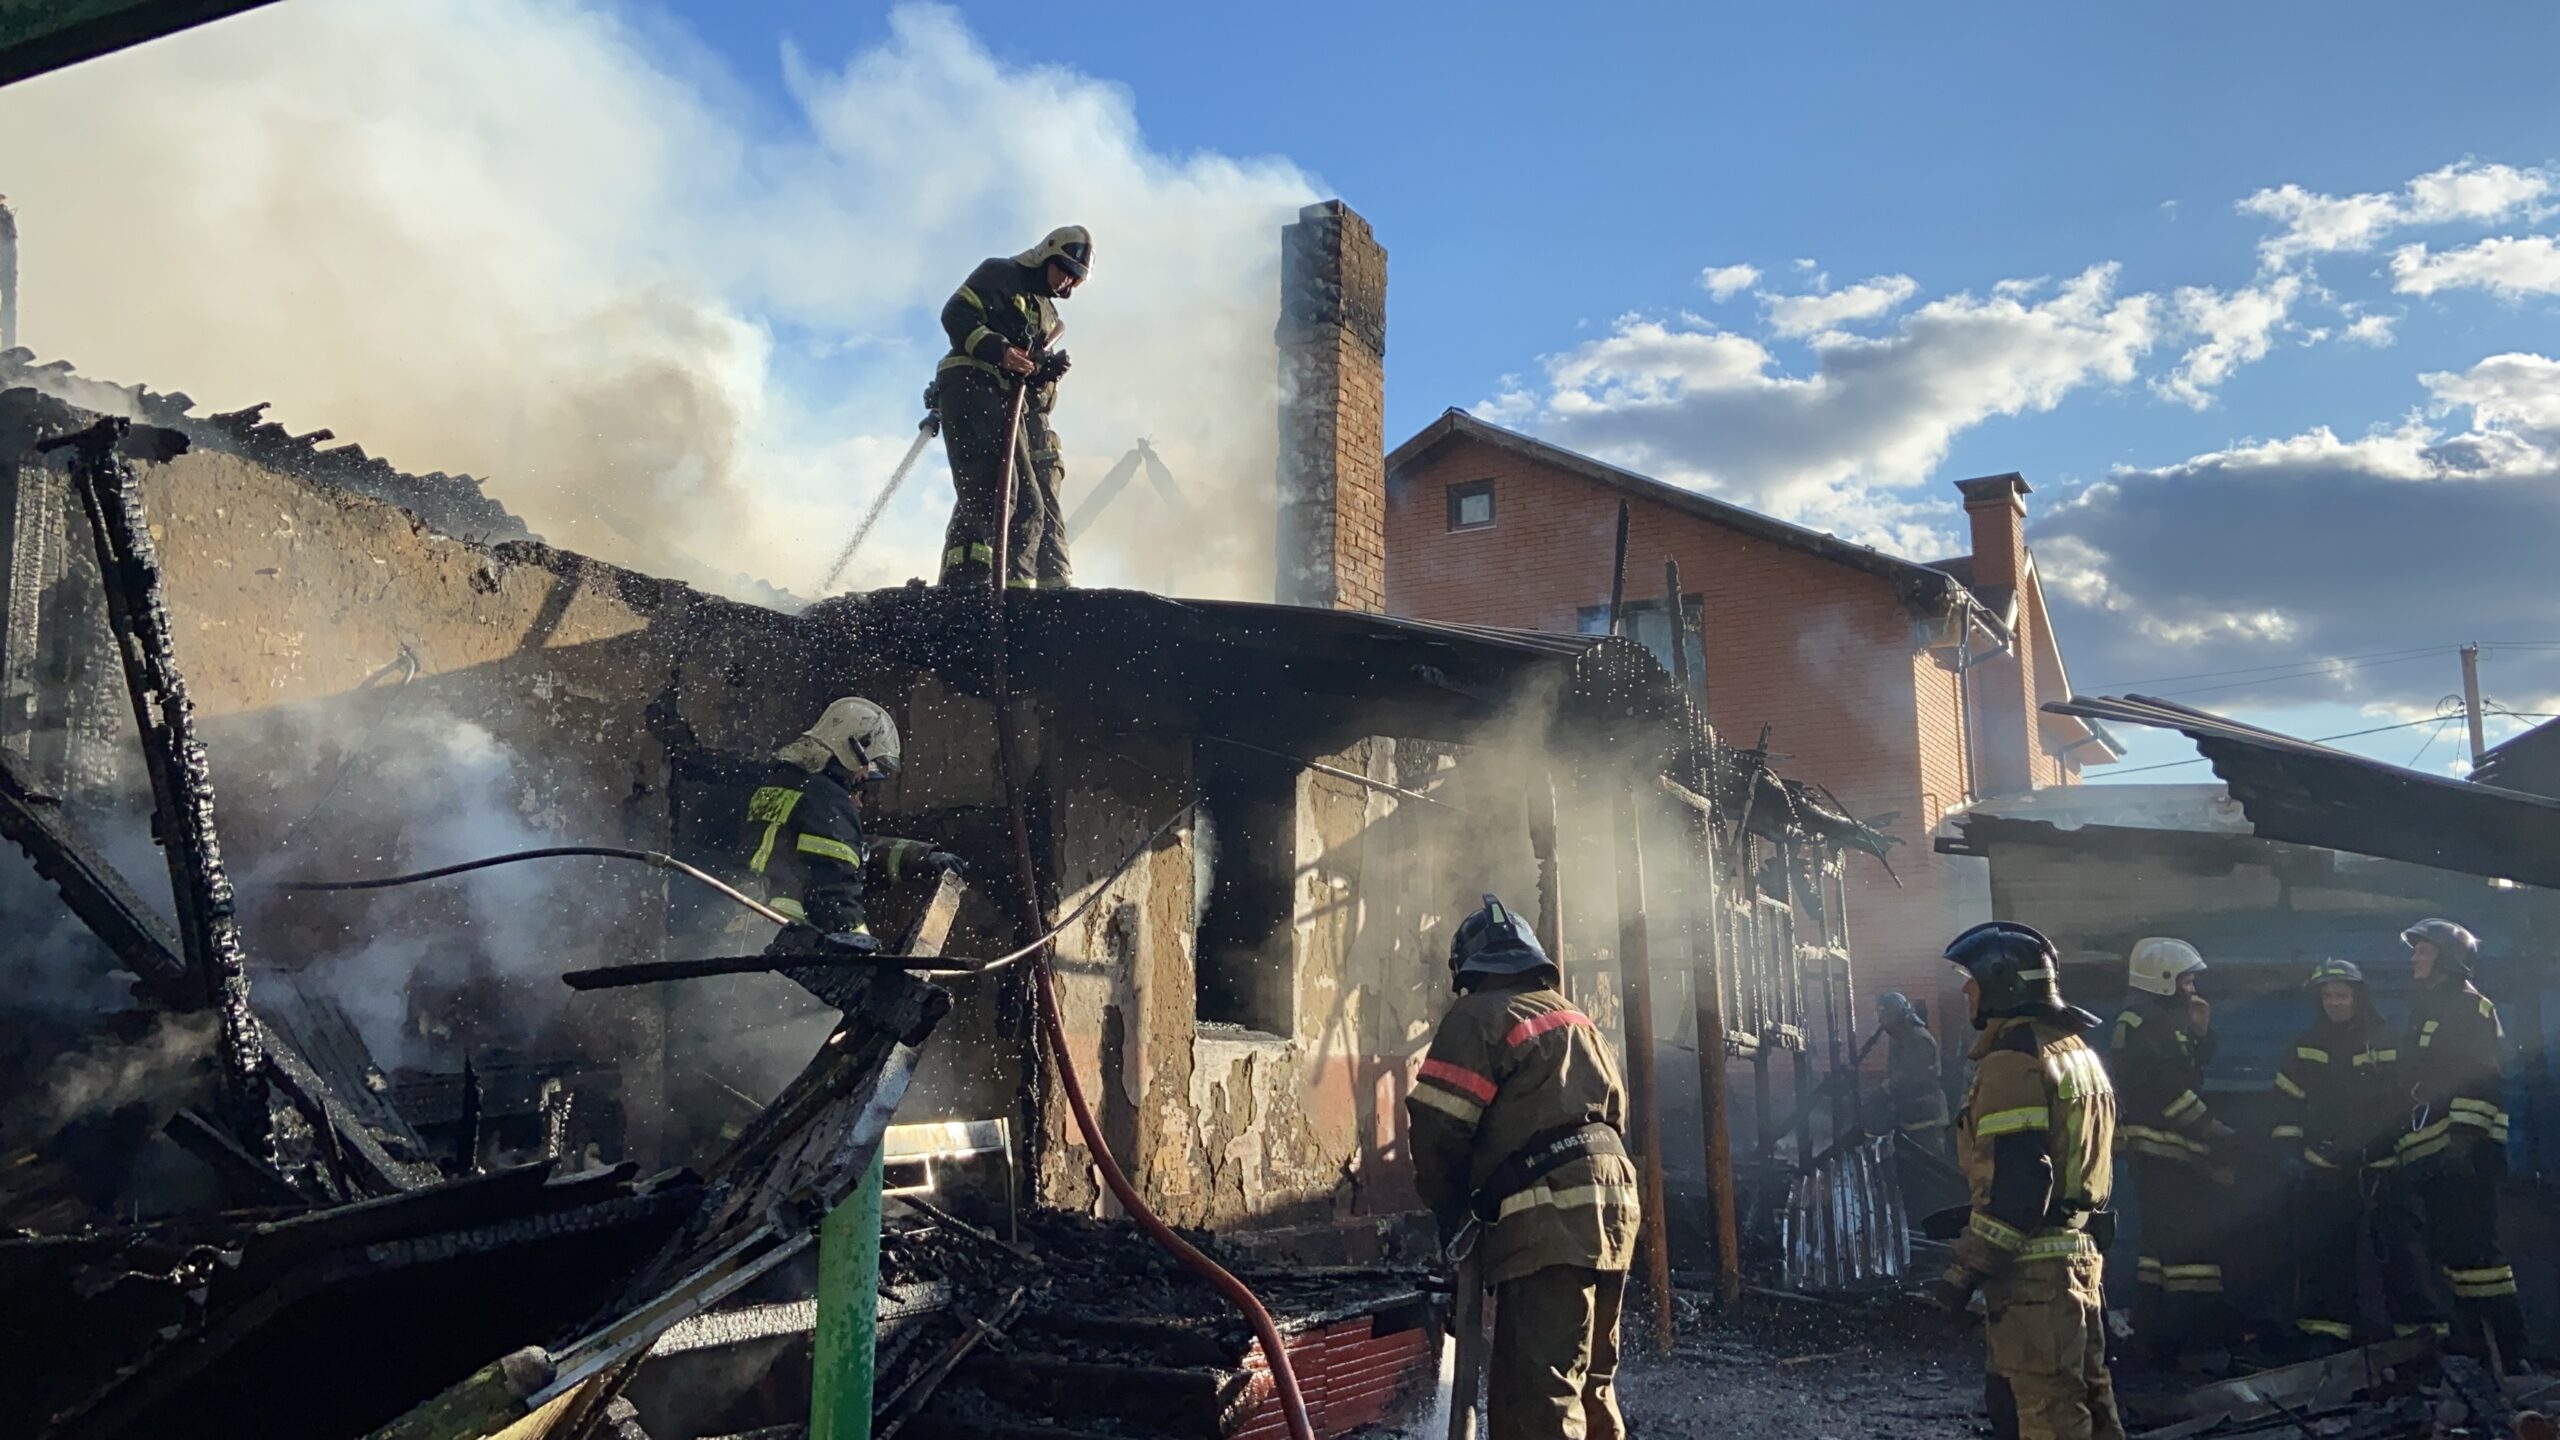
2455, 1152
1004, 326
804, 825
2176, 1149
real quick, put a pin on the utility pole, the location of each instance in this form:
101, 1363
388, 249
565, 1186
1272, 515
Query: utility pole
2471, 700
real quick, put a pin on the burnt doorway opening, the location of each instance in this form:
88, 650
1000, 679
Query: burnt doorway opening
1244, 878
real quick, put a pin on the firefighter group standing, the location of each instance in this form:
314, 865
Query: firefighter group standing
2389, 1144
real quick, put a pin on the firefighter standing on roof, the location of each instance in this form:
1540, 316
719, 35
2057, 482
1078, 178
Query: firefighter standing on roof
2034, 1142
1003, 322
804, 827
2178, 1150
2455, 1149
2341, 1106
1515, 1120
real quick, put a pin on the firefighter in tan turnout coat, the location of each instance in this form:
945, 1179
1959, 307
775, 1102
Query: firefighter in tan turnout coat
1516, 1120
2035, 1140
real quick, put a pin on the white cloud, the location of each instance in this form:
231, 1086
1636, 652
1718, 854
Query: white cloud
522, 238
1726, 281
1712, 410
2510, 266
2408, 538
2373, 330
1793, 316
2237, 327
2316, 223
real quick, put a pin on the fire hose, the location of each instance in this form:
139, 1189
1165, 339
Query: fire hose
1293, 1403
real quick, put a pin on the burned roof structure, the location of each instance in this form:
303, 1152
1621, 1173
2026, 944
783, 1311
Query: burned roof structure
2313, 795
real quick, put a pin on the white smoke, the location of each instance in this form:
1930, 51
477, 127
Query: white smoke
534, 241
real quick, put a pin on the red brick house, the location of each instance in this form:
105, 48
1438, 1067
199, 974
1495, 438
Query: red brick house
1908, 688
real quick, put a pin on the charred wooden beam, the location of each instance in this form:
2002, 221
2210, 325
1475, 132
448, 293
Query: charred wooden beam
181, 775
94, 889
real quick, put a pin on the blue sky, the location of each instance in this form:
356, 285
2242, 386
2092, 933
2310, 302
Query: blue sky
2260, 298
1535, 180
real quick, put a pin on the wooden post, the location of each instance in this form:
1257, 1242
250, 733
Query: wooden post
1635, 977
1679, 624
1618, 572
1714, 1124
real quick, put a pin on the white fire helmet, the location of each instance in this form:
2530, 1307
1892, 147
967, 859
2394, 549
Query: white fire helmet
853, 732
2157, 962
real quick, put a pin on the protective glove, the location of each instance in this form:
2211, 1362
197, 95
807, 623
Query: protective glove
1053, 366
943, 862
1953, 1290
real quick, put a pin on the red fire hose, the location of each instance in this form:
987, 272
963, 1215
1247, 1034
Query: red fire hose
1293, 1404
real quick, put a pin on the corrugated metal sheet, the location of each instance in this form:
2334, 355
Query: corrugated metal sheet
2312, 795
1845, 1227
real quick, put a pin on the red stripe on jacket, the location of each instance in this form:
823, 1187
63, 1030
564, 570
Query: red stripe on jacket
1537, 1025
1459, 1078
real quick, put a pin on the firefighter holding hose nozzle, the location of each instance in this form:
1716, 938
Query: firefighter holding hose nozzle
1516, 1121
804, 828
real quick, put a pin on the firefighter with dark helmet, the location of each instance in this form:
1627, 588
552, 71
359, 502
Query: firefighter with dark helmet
2178, 1152
2455, 1148
1516, 1119
1915, 1096
2034, 1140
2341, 1105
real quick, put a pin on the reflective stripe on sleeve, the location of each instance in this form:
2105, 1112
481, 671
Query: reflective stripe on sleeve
1460, 1078
972, 297
2311, 1053
1456, 1107
1537, 1025
2011, 1122
2286, 1084
831, 849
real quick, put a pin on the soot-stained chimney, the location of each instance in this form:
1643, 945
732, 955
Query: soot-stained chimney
1333, 423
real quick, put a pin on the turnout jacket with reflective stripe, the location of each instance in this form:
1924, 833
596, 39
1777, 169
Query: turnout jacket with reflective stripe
2034, 1139
1001, 304
1512, 1063
805, 837
2451, 1061
2340, 1096
2158, 1063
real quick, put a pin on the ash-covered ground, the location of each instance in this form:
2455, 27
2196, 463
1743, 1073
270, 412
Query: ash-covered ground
1887, 1369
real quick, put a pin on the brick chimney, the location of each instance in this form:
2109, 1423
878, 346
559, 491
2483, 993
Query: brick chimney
2001, 689
1333, 421
1997, 507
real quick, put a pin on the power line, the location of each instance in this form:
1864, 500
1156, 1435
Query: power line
2273, 665
2324, 668
2322, 740
2432, 737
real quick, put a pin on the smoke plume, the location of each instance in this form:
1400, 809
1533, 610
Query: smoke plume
540, 242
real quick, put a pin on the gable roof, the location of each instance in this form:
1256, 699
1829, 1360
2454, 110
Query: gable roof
1922, 585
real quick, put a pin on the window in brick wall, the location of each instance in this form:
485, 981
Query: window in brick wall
1471, 505
1644, 623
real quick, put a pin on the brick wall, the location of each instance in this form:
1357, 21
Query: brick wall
1332, 472
1823, 653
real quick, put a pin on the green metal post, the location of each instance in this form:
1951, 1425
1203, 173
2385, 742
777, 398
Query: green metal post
848, 1314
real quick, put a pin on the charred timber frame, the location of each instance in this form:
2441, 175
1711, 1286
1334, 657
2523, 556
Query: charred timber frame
181, 776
